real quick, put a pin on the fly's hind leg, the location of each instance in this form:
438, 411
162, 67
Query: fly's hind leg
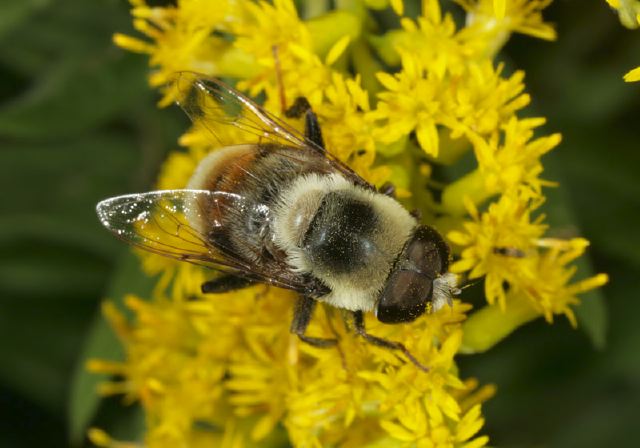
311, 126
302, 317
358, 320
225, 283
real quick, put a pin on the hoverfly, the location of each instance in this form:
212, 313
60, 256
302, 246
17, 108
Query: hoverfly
278, 208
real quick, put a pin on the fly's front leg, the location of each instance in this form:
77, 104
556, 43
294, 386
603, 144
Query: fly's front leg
302, 317
311, 126
388, 189
358, 320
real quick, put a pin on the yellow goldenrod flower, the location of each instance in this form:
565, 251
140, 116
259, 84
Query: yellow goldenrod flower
477, 101
410, 103
496, 19
433, 39
186, 38
446, 80
508, 161
505, 246
549, 289
628, 12
224, 370
506, 224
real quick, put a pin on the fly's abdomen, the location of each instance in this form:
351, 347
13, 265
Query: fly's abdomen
253, 178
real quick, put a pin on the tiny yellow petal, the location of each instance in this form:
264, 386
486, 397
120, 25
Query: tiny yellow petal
338, 49
99, 437
633, 75
499, 8
132, 44
477, 443
427, 134
397, 431
388, 81
398, 6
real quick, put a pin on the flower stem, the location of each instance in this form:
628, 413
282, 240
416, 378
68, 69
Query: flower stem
490, 325
471, 186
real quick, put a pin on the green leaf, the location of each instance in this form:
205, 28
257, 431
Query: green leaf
71, 75
61, 271
54, 258
74, 97
59, 31
14, 13
599, 172
129, 424
101, 343
592, 313
64, 179
37, 341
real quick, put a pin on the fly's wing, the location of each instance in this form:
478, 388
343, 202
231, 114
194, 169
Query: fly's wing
215, 106
181, 224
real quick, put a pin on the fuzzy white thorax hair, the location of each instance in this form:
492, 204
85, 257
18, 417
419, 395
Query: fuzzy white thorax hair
298, 205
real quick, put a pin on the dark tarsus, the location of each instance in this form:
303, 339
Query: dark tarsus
358, 320
226, 283
311, 126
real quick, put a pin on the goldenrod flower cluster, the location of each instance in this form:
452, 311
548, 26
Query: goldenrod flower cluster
395, 105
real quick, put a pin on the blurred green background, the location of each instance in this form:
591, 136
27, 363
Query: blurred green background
78, 123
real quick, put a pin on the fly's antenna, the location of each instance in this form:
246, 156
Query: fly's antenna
459, 290
283, 98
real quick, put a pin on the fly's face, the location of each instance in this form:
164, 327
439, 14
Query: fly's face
418, 280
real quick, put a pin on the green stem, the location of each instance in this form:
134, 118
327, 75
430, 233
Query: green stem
470, 186
451, 149
329, 28
490, 325
235, 63
315, 8
366, 66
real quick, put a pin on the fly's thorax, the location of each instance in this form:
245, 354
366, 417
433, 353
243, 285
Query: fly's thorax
346, 236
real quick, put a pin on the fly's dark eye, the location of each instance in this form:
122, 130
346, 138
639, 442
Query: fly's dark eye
409, 285
404, 297
428, 252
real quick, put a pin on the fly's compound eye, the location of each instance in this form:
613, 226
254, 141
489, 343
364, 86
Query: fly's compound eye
404, 297
409, 286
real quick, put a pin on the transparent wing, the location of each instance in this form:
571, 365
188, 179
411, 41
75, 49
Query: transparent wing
183, 224
212, 105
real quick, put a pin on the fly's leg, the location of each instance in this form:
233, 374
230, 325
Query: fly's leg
388, 189
302, 317
225, 283
358, 320
311, 126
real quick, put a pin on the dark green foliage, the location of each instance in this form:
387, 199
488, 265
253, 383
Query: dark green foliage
78, 123
554, 389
